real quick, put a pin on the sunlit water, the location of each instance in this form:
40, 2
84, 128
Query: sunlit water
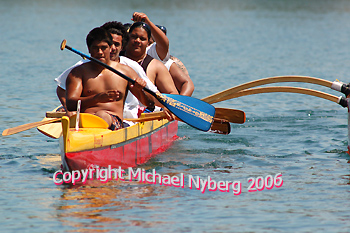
223, 44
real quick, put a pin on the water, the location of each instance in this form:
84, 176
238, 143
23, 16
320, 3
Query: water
223, 44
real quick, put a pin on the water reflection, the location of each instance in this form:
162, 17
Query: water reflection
98, 207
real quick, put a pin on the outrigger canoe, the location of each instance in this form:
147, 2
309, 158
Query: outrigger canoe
93, 144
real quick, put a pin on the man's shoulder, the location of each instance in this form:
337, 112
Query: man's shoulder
81, 70
122, 67
156, 63
80, 67
118, 64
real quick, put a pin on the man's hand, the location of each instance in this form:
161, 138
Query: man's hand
140, 17
108, 96
139, 84
169, 115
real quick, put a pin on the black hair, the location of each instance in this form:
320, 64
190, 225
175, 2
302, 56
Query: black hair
162, 28
141, 25
127, 25
98, 34
115, 27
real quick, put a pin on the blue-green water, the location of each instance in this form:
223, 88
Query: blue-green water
223, 44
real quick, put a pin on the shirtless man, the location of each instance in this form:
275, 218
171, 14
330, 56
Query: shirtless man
101, 91
119, 36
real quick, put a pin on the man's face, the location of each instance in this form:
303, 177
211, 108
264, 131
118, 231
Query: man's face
100, 50
138, 41
116, 46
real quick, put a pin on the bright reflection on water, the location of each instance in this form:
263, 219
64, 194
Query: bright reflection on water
223, 44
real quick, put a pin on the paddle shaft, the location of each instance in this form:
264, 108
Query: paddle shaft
24, 127
109, 68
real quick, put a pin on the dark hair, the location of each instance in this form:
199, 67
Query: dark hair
115, 27
141, 25
127, 25
162, 28
98, 34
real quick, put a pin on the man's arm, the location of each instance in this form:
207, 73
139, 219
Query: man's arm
164, 81
137, 89
61, 94
182, 82
180, 65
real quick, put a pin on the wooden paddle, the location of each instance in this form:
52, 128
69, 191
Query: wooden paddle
52, 130
220, 126
224, 95
231, 115
24, 127
89, 121
192, 111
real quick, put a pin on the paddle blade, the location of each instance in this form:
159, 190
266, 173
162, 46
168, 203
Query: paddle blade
192, 111
220, 126
231, 115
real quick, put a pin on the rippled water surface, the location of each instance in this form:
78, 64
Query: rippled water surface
223, 44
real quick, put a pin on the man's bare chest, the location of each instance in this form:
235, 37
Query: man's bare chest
94, 84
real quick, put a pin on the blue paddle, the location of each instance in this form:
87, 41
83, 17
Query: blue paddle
192, 111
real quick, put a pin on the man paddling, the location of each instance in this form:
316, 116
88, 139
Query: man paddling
101, 91
120, 38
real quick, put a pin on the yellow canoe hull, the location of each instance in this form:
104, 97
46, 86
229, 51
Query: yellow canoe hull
99, 146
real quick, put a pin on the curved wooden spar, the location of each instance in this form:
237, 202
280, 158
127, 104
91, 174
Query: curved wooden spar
339, 100
223, 95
